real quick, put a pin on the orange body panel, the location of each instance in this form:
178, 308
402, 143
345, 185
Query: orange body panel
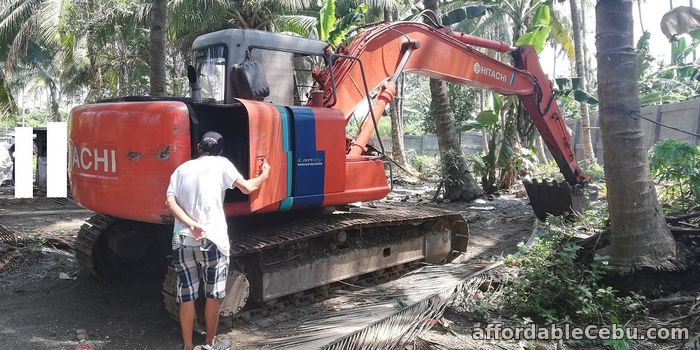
330, 138
122, 155
265, 128
364, 180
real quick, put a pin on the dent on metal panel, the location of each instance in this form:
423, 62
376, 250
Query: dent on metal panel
164, 154
133, 155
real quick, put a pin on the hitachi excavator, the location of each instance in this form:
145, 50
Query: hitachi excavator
288, 100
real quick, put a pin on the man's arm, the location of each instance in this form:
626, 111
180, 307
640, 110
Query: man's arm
252, 185
180, 214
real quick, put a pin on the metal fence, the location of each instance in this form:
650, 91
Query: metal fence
683, 115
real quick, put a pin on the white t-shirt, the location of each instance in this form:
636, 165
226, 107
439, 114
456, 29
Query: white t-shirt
199, 186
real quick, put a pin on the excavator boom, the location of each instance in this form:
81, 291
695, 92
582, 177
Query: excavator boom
379, 54
454, 57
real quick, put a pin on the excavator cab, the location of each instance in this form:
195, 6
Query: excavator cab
255, 65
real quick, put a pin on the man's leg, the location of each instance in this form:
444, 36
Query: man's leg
215, 273
211, 315
187, 324
187, 290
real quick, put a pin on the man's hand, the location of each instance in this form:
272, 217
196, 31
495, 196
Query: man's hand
265, 168
198, 232
248, 186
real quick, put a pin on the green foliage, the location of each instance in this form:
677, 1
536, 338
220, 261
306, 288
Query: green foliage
679, 81
328, 27
570, 88
348, 22
548, 170
595, 217
465, 13
617, 344
553, 287
426, 165
326, 20
539, 29
675, 165
595, 171
488, 121
8, 107
452, 168
644, 58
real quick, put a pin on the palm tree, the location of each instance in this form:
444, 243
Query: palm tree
158, 42
7, 102
190, 18
458, 181
588, 155
639, 235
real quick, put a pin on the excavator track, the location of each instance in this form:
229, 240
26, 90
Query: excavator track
115, 249
86, 241
278, 249
279, 262
229, 320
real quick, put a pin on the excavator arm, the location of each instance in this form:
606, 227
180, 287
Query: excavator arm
384, 51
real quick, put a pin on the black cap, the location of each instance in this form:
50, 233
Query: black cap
212, 142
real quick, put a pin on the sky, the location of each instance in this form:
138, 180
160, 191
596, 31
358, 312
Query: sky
652, 11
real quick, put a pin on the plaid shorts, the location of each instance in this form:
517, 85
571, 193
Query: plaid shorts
205, 261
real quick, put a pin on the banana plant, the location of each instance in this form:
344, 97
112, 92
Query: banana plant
676, 82
571, 88
539, 29
334, 31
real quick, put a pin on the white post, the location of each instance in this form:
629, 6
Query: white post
56, 159
24, 179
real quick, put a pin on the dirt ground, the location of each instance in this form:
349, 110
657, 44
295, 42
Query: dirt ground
46, 303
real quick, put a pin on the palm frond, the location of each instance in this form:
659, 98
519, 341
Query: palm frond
8, 107
293, 5
298, 24
19, 45
497, 19
14, 16
561, 36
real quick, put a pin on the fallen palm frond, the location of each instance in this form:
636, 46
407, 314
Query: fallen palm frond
386, 316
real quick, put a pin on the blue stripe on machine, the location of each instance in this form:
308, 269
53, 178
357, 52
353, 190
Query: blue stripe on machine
512, 78
309, 163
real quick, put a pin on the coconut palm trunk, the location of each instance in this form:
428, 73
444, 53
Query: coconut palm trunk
398, 150
458, 181
639, 235
588, 154
159, 18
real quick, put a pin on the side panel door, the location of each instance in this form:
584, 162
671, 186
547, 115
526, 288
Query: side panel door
269, 140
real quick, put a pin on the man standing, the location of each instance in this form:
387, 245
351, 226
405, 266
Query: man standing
195, 198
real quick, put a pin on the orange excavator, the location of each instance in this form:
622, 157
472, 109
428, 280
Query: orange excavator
289, 100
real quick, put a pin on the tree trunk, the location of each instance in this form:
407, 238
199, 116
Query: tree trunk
539, 150
458, 181
94, 74
588, 154
398, 151
54, 105
159, 20
639, 235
